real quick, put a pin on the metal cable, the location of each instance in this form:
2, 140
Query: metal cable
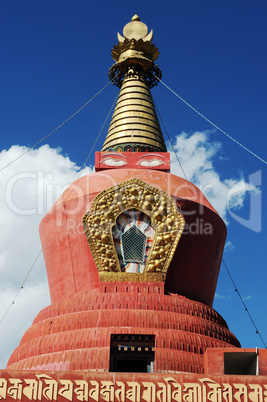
62, 124
102, 128
95, 142
244, 304
175, 153
21, 287
214, 125
236, 290
26, 277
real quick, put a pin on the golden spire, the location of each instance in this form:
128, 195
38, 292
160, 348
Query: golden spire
134, 125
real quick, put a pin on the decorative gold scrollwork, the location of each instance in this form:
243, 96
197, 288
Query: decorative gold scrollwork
165, 219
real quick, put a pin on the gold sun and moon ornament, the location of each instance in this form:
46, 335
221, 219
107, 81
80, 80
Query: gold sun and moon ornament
109, 205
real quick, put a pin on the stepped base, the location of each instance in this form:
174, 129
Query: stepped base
75, 333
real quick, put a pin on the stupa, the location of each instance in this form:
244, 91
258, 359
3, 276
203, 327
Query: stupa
131, 283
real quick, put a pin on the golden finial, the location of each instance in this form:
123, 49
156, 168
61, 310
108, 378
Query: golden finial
135, 47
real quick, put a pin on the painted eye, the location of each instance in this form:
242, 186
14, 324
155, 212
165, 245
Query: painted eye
151, 162
114, 162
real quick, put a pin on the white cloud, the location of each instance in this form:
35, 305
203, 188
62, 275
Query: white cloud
29, 187
229, 246
221, 297
247, 298
196, 154
30, 300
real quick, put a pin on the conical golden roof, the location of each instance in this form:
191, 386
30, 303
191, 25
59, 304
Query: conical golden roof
134, 125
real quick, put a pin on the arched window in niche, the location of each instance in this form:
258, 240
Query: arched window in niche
133, 237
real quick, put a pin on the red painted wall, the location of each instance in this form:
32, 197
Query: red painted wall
194, 269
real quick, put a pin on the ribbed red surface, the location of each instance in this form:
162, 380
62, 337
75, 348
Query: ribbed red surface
74, 334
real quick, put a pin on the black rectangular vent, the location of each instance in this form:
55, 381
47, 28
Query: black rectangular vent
240, 363
132, 353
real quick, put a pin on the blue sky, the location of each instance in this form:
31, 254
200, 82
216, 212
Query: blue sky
55, 55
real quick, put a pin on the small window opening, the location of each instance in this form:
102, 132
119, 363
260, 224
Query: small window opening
133, 238
133, 245
240, 363
132, 353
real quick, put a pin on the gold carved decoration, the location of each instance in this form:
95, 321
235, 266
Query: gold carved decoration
165, 219
132, 277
